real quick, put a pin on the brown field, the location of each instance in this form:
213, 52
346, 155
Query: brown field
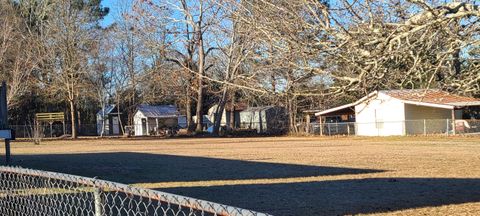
287, 175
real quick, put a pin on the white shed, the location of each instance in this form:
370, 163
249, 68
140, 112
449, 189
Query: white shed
402, 112
149, 120
228, 112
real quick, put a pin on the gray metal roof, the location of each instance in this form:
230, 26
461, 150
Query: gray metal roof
160, 111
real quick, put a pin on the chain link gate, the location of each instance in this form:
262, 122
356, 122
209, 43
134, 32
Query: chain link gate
40, 193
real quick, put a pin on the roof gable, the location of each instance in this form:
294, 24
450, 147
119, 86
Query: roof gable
106, 110
353, 104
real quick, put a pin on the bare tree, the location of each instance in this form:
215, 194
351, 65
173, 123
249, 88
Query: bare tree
408, 45
235, 46
320, 49
69, 34
287, 52
20, 52
188, 25
101, 83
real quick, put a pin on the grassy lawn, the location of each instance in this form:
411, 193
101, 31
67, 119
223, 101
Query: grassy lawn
286, 175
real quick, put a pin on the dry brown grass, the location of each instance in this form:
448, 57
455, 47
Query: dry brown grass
286, 175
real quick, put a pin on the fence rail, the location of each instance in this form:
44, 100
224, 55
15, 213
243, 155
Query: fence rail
40, 193
59, 130
408, 127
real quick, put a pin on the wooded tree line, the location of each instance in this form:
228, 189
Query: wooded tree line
300, 54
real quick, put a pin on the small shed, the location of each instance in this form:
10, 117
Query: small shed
108, 121
267, 119
229, 112
152, 120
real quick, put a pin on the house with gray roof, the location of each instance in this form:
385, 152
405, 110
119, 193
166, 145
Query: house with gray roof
155, 119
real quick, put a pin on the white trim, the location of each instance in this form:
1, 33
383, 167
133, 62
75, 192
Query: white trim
428, 104
335, 109
163, 117
347, 105
442, 106
461, 104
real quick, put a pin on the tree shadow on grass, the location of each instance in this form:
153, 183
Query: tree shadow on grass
341, 197
129, 168
336, 197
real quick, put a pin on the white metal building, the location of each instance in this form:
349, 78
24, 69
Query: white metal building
267, 119
395, 112
150, 119
227, 114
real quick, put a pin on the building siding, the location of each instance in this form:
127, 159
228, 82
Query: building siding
415, 112
137, 121
428, 120
381, 116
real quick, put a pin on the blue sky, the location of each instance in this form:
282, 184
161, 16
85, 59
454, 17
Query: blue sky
110, 18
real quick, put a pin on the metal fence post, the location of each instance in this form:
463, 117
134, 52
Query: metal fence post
448, 127
354, 127
7, 152
424, 127
97, 195
76, 195
337, 128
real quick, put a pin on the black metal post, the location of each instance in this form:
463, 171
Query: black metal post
4, 119
7, 152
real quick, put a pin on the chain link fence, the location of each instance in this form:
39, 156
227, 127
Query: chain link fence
409, 127
40, 193
57, 130
52, 131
